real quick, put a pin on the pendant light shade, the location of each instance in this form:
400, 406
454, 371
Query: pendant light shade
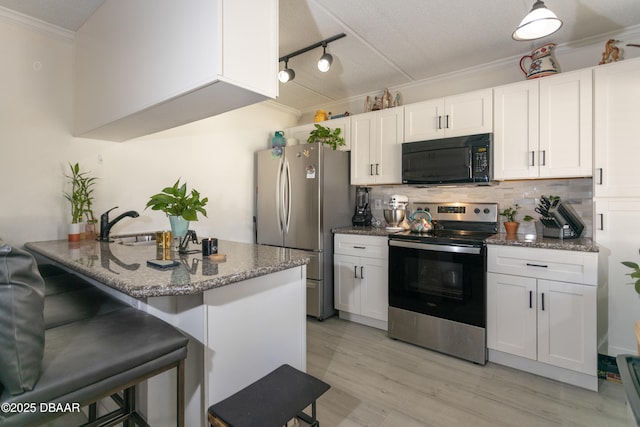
324, 63
540, 22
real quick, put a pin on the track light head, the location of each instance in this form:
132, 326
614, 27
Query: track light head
287, 74
324, 63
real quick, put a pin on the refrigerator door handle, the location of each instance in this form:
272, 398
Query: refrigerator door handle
288, 198
280, 196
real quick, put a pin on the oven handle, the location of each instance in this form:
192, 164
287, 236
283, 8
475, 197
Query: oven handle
463, 249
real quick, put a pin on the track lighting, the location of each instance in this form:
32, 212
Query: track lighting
538, 23
287, 74
324, 63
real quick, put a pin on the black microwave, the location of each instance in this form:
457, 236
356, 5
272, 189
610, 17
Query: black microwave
457, 160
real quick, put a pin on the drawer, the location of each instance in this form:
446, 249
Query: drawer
551, 264
359, 245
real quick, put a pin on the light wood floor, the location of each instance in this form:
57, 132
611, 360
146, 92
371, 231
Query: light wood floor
376, 381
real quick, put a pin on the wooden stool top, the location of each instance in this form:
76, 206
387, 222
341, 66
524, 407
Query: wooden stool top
271, 401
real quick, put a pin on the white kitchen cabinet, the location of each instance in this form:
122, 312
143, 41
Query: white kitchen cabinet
147, 65
301, 133
464, 114
543, 127
541, 312
617, 129
376, 147
360, 278
618, 237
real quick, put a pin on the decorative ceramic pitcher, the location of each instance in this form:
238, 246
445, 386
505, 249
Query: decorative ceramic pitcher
542, 62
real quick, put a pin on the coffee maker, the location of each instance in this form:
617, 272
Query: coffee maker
362, 216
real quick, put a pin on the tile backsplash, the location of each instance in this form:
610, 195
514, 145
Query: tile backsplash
578, 192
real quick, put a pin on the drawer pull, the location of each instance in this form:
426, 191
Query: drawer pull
359, 247
530, 299
537, 265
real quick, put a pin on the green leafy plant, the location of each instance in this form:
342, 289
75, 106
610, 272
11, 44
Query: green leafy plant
511, 213
176, 201
327, 136
635, 274
81, 195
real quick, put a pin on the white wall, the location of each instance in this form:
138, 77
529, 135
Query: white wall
214, 155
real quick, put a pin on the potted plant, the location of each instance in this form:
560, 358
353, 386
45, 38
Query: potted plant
81, 199
511, 225
327, 136
635, 274
180, 206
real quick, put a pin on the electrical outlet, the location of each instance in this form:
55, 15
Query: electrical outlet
377, 204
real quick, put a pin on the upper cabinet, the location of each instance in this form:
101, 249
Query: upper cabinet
376, 147
465, 114
301, 133
543, 127
147, 65
617, 129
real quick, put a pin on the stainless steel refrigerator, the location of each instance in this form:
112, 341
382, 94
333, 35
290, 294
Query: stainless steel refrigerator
303, 193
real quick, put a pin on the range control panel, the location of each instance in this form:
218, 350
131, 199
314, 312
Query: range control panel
458, 211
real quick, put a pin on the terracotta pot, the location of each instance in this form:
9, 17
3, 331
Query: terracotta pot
511, 227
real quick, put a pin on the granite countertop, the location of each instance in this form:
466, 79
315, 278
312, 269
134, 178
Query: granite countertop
582, 244
364, 231
125, 267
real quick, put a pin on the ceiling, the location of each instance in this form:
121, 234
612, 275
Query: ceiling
391, 42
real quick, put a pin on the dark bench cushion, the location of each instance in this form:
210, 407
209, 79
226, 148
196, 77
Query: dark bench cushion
21, 320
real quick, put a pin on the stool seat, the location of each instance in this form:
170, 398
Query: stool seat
271, 401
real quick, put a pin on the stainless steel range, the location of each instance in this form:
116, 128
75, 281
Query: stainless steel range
437, 280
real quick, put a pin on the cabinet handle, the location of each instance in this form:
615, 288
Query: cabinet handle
361, 272
359, 247
537, 265
600, 175
446, 121
544, 158
377, 168
530, 299
439, 122
543, 301
370, 168
355, 271
601, 221
533, 158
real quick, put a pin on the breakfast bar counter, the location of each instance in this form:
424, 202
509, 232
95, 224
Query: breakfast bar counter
245, 314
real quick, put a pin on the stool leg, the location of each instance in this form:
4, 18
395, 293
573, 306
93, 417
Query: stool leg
93, 411
180, 394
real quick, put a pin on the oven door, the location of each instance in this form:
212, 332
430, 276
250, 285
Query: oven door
444, 281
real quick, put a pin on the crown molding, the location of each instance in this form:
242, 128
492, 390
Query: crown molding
28, 22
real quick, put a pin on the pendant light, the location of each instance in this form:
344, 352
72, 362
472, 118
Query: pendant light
538, 23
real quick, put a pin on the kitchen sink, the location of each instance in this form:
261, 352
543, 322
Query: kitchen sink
141, 239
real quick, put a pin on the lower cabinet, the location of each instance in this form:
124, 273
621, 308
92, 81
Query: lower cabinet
361, 291
547, 327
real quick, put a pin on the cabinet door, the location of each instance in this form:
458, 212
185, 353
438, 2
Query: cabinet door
566, 140
516, 131
567, 326
344, 123
299, 133
388, 146
346, 283
616, 129
374, 288
362, 136
618, 237
511, 314
469, 113
423, 120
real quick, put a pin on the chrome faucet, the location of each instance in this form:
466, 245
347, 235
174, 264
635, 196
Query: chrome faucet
105, 225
